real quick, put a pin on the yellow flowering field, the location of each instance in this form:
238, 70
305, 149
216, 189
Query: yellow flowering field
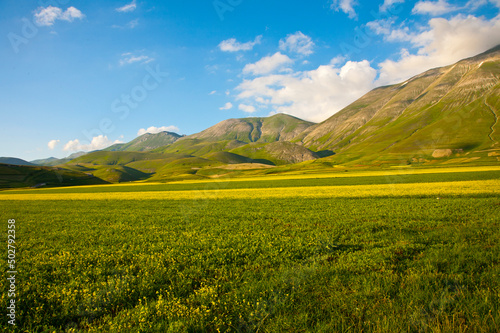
354, 191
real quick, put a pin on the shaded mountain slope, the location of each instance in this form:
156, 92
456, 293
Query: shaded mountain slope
12, 176
277, 153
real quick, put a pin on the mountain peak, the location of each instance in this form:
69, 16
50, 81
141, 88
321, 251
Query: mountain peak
279, 127
147, 142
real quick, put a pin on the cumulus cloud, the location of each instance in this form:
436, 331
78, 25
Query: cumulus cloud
127, 8
297, 43
227, 106
129, 58
389, 3
347, 6
47, 16
232, 45
155, 130
267, 65
247, 108
52, 144
443, 43
98, 142
434, 8
313, 95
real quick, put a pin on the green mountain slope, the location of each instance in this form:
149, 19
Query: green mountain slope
147, 142
51, 161
119, 173
114, 158
444, 112
199, 147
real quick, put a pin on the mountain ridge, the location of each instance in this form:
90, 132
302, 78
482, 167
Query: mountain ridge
394, 117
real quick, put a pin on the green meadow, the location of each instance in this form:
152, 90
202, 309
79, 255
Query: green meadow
112, 258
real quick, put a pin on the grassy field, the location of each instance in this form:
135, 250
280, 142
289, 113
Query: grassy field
374, 251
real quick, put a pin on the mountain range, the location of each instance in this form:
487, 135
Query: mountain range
442, 116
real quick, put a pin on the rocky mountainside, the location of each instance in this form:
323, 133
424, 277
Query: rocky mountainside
448, 110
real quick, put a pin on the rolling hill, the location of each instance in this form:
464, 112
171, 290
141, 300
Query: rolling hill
14, 161
52, 161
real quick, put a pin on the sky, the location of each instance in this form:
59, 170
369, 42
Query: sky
82, 75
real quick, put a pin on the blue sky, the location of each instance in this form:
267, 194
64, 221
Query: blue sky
81, 75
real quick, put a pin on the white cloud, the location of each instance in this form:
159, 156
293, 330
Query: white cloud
227, 106
47, 16
434, 8
444, 43
129, 58
388, 3
232, 45
475, 4
98, 142
391, 34
247, 108
298, 43
71, 13
337, 60
155, 130
52, 144
313, 95
213, 92
267, 65
127, 8
347, 6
